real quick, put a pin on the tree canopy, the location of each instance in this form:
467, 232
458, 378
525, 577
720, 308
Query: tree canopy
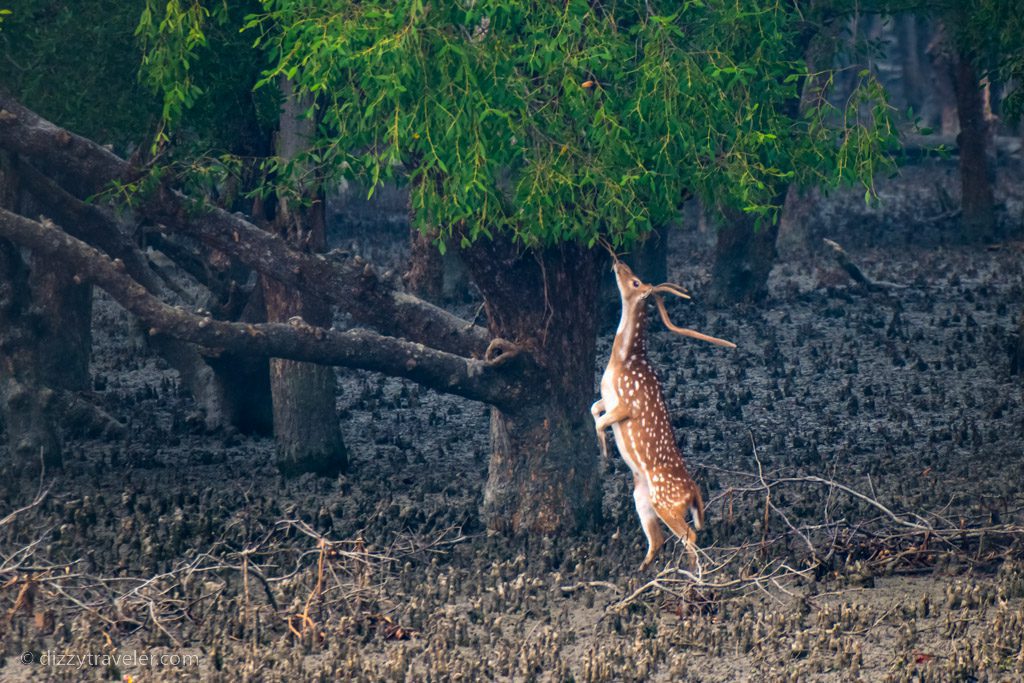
552, 121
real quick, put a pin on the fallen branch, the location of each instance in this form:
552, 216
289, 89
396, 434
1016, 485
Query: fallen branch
855, 273
347, 282
489, 381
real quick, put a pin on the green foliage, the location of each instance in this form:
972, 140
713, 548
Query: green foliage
553, 121
188, 42
992, 31
170, 46
74, 62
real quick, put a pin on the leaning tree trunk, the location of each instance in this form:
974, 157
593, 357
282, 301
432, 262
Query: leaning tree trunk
743, 259
305, 420
977, 199
544, 469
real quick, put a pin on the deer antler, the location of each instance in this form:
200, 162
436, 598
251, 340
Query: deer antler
671, 288
608, 247
682, 330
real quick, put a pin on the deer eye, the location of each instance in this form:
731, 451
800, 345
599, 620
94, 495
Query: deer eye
636, 283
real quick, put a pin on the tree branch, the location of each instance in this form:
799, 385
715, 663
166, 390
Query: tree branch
495, 382
350, 283
346, 281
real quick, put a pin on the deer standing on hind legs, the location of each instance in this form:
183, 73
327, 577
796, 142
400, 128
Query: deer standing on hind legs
633, 406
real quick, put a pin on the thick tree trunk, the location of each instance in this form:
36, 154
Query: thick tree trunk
977, 198
65, 308
743, 259
27, 406
303, 394
544, 471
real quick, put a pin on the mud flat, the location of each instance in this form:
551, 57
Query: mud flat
862, 455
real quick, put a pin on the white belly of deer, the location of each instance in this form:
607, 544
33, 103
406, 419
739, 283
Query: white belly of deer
611, 402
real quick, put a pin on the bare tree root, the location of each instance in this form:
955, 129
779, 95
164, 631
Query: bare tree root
309, 586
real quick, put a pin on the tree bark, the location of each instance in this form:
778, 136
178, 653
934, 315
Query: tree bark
743, 259
346, 281
99, 228
433, 276
65, 310
544, 473
63, 307
26, 404
425, 277
977, 199
495, 380
940, 53
303, 394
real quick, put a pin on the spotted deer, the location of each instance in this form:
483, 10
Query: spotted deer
633, 406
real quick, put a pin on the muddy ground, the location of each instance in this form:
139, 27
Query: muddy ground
171, 541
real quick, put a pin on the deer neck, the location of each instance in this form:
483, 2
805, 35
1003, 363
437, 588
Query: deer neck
630, 337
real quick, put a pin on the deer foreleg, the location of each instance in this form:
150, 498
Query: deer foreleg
603, 422
596, 411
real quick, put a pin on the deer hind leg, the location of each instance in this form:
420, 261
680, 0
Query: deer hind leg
675, 519
648, 520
